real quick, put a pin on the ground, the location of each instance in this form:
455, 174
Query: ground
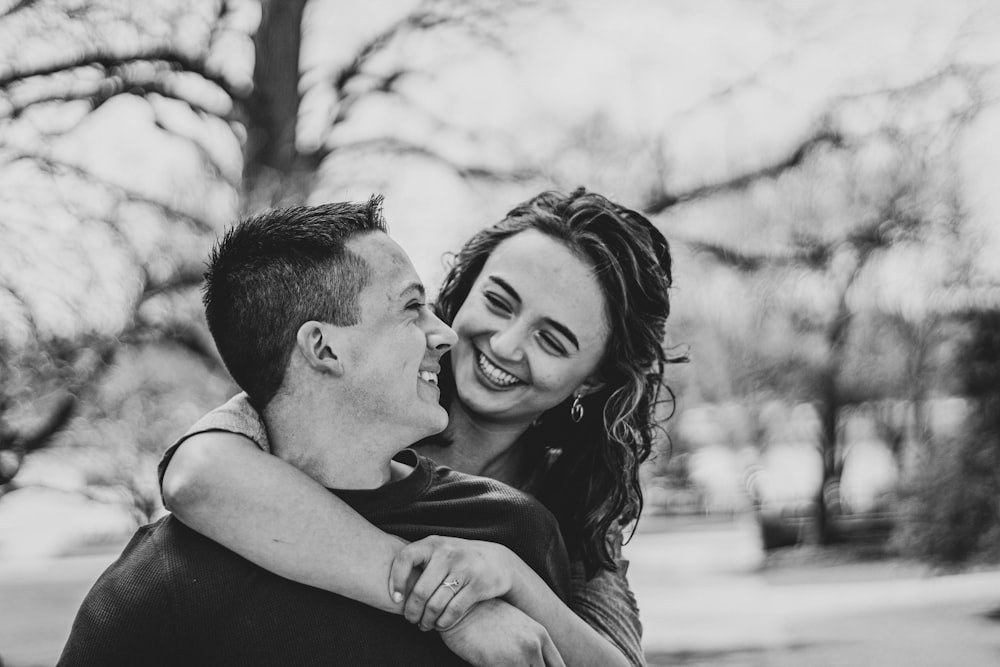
707, 594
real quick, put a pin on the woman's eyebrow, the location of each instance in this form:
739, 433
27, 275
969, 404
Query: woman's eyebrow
507, 288
564, 330
555, 324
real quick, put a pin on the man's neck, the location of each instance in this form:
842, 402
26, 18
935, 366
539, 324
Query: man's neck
336, 453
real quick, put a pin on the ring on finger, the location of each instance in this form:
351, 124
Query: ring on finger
452, 586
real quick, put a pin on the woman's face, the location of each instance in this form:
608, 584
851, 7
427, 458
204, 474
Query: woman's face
531, 332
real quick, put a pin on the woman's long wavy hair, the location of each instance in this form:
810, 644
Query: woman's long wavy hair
593, 477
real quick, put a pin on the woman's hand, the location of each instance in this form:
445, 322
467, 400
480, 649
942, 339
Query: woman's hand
448, 576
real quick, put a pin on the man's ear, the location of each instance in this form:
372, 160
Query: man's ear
319, 344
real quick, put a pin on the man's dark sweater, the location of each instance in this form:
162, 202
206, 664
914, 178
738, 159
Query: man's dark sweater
175, 597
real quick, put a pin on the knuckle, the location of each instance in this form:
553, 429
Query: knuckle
412, 614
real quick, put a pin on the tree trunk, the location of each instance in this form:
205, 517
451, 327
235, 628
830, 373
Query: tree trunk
274, 105
830, 404
829, 414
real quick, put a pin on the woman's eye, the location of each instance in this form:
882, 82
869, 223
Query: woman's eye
416, 305
496, 302
551, 343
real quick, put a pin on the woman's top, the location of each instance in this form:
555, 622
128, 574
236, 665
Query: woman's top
605, 601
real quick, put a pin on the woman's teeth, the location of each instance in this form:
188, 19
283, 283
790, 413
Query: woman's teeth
496, 375
427, 376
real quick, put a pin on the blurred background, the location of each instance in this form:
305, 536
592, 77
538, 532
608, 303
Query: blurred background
826, 172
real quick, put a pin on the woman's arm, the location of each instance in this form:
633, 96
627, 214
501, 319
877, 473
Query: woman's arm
607, 604
266, 510
486, 570
579, 643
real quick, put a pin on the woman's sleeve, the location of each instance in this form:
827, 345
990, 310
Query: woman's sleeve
607, 604
235, 416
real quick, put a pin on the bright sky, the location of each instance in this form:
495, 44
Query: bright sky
721, 85
592, 89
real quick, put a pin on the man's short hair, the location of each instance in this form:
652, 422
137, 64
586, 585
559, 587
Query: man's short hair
274, 271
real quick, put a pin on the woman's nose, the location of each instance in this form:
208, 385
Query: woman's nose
506, 344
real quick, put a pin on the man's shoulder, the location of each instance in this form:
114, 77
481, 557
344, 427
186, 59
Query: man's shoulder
234, 416
162, 552
167, 566
139, 576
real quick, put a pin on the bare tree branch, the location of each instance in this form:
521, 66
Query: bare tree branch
659, 202
117, 81
18, 6
183, 334
28, 315
56, 166
747, 262
108, 62
184, 278
56, 420
401, 147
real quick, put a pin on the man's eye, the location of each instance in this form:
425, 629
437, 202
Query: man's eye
416, 305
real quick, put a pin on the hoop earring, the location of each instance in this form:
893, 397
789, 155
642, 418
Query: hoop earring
576, 410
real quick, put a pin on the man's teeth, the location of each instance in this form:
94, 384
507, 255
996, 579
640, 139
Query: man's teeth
496, 375
427, 376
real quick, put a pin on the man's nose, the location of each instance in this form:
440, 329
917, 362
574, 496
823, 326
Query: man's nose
440, 336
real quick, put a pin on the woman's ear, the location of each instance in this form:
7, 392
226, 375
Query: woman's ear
589, 386
318, 344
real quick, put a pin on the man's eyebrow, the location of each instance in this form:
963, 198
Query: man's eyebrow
555, 324
414, 287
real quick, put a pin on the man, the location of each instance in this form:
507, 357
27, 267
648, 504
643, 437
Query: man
319, 316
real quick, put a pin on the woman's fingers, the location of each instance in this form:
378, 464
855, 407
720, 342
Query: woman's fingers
442, 599
456, 608
428, 583
406, 567
439, 579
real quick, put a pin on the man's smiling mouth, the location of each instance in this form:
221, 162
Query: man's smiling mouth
428, 376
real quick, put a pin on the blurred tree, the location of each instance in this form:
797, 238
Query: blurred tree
273, 160
864, 221
952, 516
96, 255
201, 108
131, 139
284, 161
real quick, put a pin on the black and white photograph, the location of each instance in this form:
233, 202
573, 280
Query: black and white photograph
500, 332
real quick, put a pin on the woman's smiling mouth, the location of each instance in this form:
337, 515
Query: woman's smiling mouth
494, 374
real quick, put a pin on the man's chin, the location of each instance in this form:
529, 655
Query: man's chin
440, 422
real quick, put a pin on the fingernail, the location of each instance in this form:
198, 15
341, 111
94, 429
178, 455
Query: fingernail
397, 597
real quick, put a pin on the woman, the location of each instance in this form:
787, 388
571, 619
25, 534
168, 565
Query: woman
560, 312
